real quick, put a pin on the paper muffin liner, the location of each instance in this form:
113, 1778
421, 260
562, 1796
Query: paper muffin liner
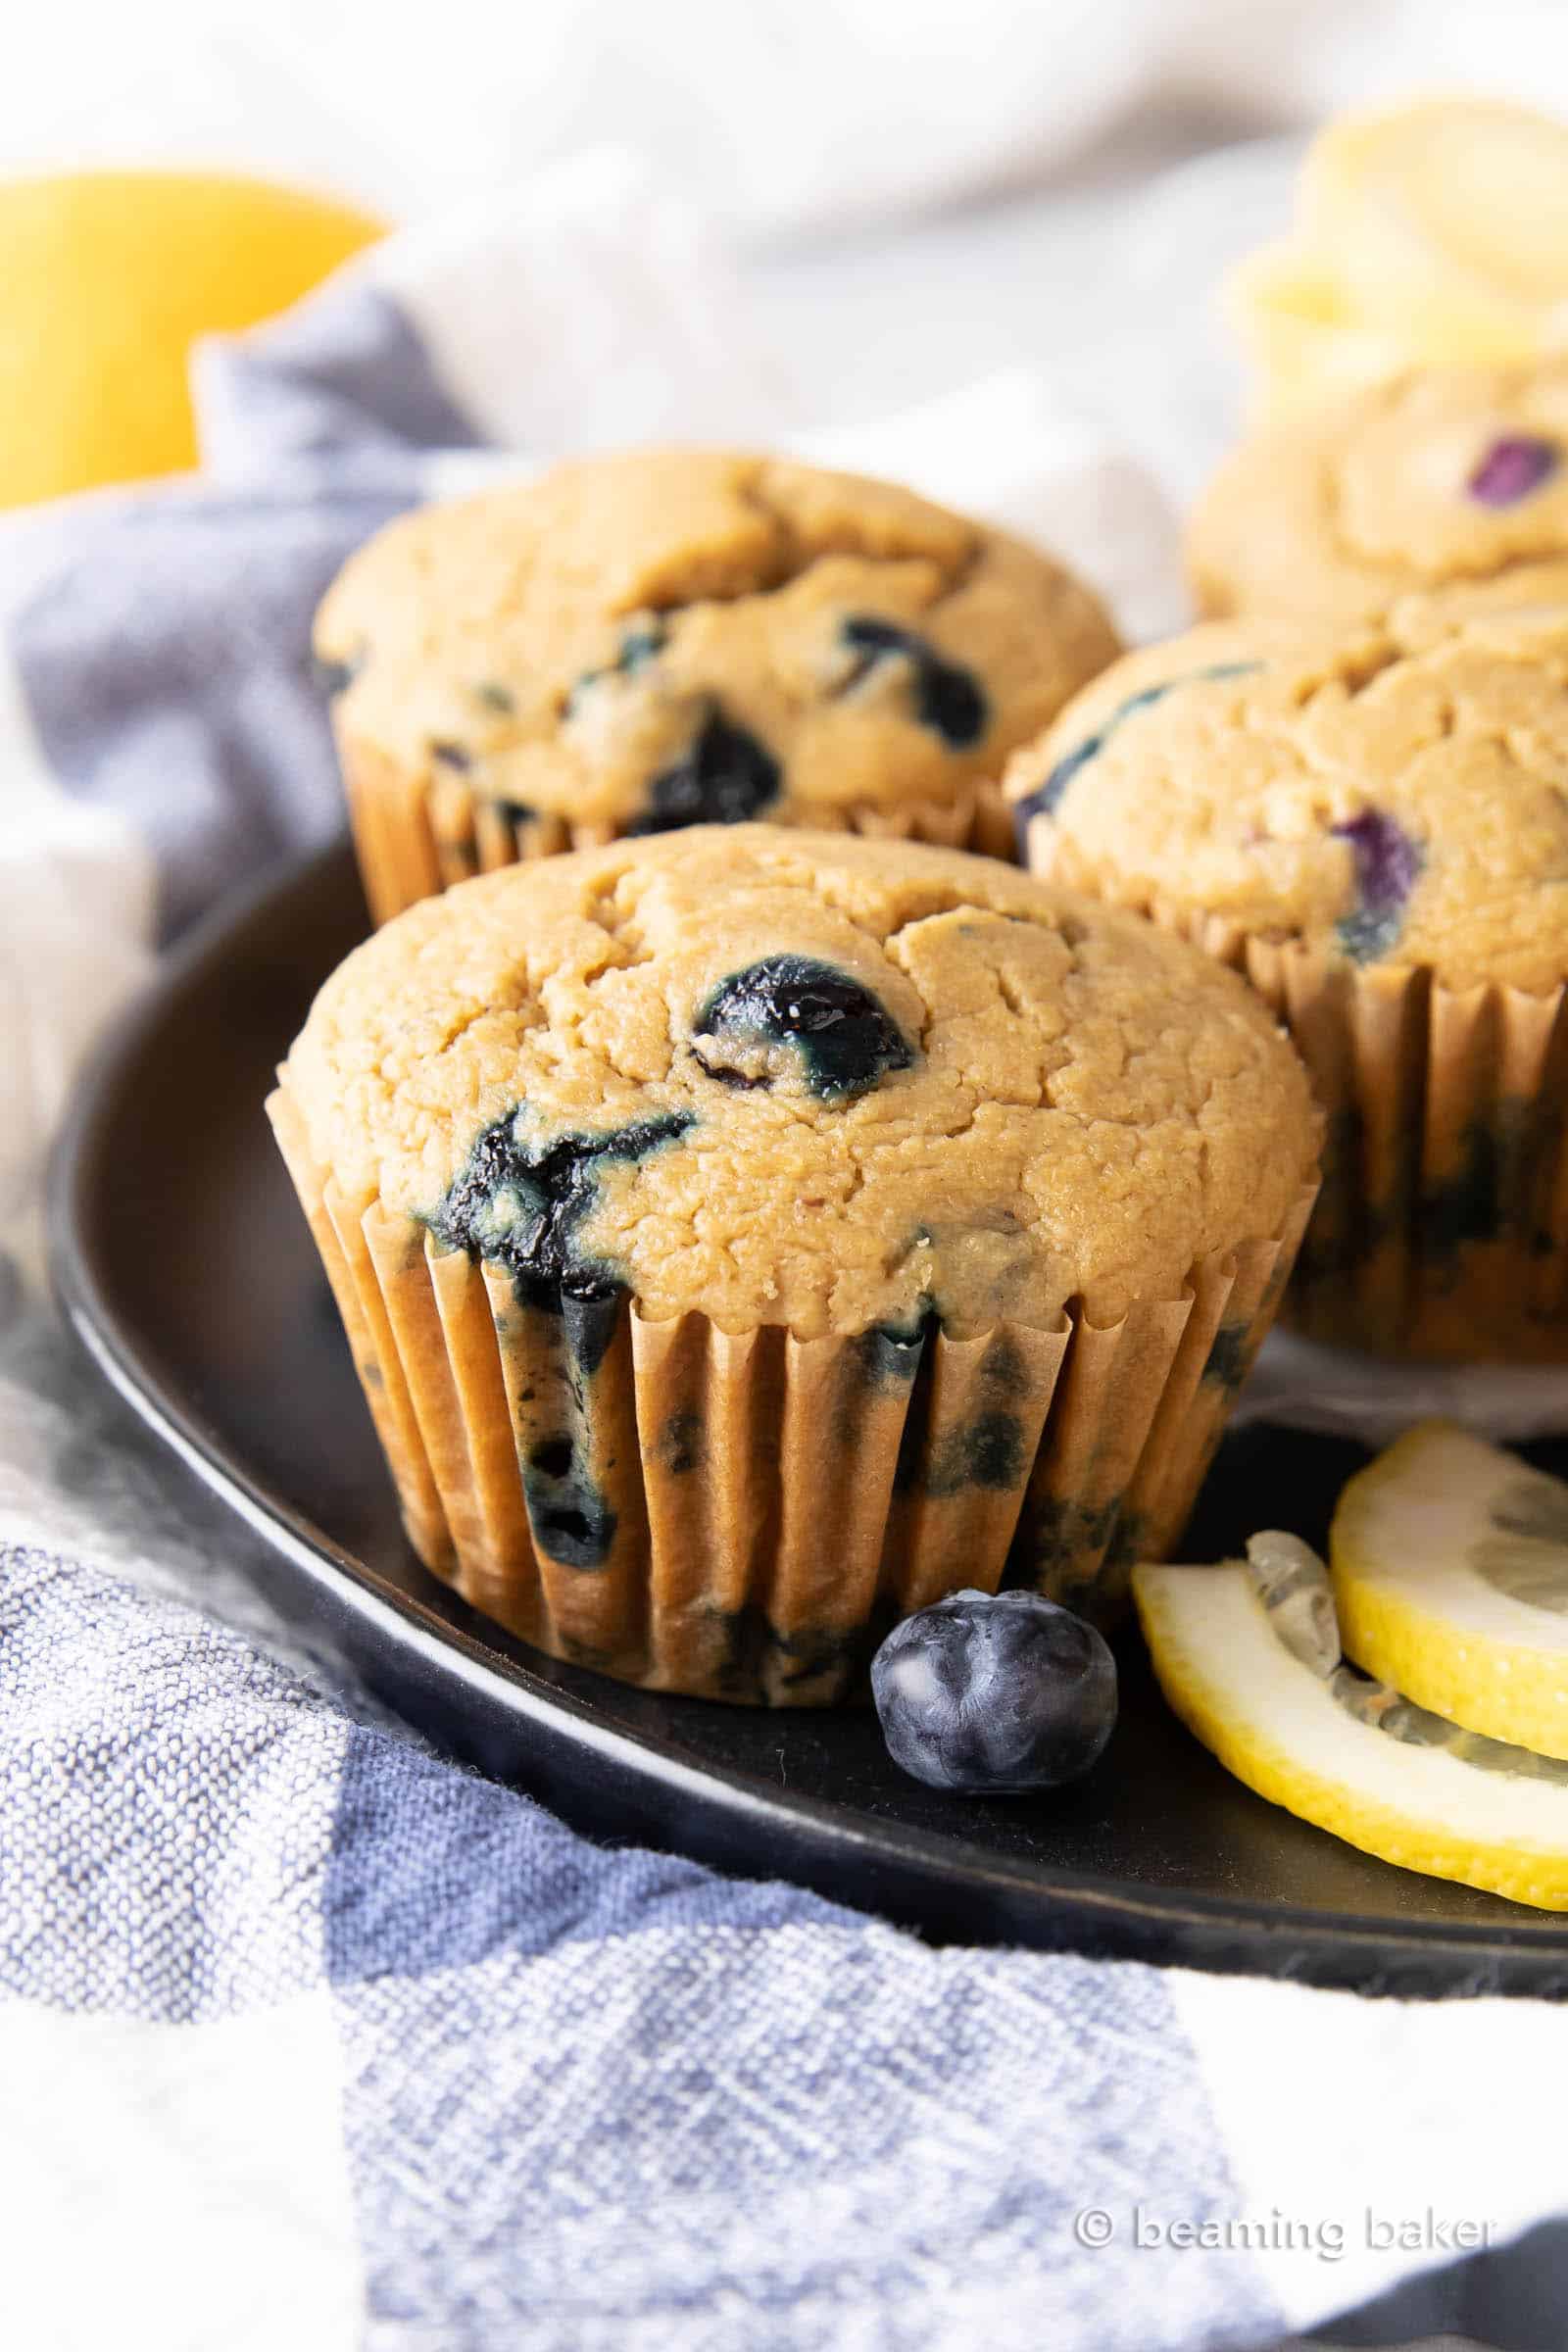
1442, 1228
416, 833
742, 1515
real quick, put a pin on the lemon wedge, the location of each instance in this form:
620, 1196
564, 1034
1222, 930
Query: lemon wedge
1346, 1753
1450, 1578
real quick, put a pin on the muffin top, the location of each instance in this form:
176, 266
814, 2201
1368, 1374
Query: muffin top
1439, 476
668, 637
809, 1079
1395, 794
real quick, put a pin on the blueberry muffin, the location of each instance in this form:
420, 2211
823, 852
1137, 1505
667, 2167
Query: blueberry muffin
637, 642
747, 1235
1439, 476
1374, 824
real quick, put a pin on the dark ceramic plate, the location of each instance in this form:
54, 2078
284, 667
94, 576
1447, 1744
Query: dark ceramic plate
186, 1267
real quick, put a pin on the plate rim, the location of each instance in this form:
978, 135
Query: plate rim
1230, 1933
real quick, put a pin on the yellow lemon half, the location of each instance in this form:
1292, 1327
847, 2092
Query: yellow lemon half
106, 279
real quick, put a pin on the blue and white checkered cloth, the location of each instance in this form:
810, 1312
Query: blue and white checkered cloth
308, 2038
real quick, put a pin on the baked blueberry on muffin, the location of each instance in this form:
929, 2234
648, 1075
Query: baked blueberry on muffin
633, 644
1448, 477
746, 1236
1374, 824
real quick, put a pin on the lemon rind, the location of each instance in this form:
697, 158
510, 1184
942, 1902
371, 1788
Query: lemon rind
1509, 1690
1526, 1871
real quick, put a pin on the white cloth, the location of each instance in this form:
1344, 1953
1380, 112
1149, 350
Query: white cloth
779, 115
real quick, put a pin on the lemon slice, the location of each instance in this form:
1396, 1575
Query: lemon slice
1448, 218
1347, 1754
1451, 1576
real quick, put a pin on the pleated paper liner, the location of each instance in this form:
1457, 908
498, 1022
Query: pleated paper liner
1441, 1229
742, 1515
415, 834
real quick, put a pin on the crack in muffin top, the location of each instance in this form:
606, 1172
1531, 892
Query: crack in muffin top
655, 638
1393, 794
1438, 476
783, 1077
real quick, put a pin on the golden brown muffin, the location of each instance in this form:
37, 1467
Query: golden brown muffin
756, 1192
1439, 476
637, 642
1375, 824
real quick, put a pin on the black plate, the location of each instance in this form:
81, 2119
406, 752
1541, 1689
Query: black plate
186, 1264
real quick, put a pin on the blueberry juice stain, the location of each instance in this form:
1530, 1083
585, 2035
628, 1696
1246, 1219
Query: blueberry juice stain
571, 1520
518, 1204
725, 776
948, 698
1513, 467
1046, 796
1387, 863
640, 644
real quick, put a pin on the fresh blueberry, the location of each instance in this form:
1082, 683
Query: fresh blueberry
994, 1693
846, 1040
1512, 469
1387, 863
947, 698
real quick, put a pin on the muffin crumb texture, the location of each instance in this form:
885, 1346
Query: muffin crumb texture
1394, 794
808, 1080
1453, 476
670, 638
